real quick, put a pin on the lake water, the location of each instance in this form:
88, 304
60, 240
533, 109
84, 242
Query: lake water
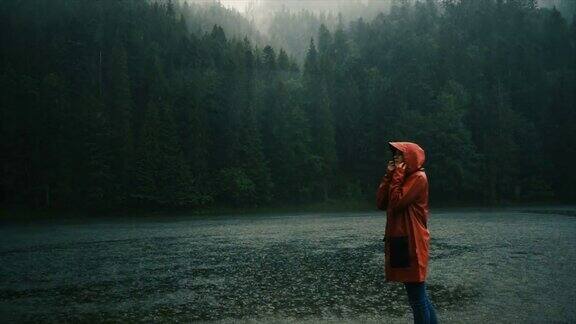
491, 266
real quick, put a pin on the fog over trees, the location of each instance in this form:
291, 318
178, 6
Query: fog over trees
122, 104
291, 23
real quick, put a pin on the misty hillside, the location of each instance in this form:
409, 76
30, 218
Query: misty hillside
290, 24
131, 104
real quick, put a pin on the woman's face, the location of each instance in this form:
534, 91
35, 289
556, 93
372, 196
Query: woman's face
398, 157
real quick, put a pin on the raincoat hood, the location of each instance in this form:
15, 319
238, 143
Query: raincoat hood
414, 155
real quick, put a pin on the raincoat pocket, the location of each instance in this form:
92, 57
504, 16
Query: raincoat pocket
399, 252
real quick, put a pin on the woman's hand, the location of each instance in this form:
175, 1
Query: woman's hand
401, 165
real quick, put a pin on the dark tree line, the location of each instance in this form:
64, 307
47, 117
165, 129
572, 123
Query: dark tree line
112, 104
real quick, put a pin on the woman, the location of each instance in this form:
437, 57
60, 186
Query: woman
403, 194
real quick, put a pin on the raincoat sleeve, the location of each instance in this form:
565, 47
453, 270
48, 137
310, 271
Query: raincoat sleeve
382, 193
401, 196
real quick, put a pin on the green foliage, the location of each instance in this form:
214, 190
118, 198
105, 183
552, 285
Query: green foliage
452, 157
137, 103
237, 186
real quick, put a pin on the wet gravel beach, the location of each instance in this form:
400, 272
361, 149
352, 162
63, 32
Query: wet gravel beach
492, 266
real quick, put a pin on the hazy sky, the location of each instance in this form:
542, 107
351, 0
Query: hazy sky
239, 5
567, 6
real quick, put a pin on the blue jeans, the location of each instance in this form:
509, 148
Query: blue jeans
422, 308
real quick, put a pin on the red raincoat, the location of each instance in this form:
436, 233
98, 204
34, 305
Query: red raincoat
403, 194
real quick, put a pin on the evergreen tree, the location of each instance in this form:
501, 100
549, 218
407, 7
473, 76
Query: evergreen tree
120, 116
317, 106
451, 155
283, 61
135, 103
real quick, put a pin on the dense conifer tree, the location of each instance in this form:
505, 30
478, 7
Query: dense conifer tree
136, 103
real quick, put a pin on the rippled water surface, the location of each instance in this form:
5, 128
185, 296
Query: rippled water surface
496, 266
